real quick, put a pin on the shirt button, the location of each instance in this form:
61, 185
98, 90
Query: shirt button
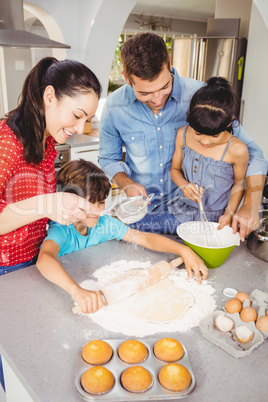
161, 164
158, 128
194, 171
161, 147
133, 138
195, 167
161, 194
160, 114
161, 180
196, 159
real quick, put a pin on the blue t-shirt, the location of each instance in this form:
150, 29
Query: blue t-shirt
69, 240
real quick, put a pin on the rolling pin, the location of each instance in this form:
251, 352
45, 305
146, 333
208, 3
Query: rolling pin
135, 282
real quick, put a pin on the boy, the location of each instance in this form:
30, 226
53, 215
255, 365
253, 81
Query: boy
86, 179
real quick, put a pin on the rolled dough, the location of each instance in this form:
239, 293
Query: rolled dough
161, 302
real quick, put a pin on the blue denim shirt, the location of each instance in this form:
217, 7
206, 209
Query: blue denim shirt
150, 141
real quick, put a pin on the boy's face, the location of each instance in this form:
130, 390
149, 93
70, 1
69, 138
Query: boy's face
93, 217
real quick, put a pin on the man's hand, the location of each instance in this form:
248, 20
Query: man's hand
245, 221
129, 186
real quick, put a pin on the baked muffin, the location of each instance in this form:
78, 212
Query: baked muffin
97, 380
168, 350
132, 351
97, 352
136, 379
174, 377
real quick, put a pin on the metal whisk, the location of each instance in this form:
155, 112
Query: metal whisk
208, 229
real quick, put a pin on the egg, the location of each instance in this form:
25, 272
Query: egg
262, 323
248, 314
233, 306
224, 323
242, 296
244, 334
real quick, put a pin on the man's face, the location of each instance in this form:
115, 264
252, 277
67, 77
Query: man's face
153, 93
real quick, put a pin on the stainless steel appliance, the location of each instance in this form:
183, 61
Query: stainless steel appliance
203, 57
63, 156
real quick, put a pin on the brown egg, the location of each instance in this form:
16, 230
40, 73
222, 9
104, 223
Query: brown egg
242, 296
248, 314
262, 323
233, 306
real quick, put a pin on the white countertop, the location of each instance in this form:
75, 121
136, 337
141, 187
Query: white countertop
40, 337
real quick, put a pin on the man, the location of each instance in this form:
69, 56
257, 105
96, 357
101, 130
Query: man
144, 115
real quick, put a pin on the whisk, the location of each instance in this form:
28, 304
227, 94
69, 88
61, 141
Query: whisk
207, 228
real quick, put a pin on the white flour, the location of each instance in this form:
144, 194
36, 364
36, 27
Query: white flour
116, 317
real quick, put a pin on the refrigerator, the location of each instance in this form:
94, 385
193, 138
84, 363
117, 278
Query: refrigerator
203, 57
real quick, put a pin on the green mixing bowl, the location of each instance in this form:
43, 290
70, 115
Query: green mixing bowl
193, 235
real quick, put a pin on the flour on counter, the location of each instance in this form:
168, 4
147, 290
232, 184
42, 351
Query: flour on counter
117, 317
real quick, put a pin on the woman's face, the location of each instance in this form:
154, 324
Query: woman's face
68, 116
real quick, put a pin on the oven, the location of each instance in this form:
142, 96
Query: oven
63, 156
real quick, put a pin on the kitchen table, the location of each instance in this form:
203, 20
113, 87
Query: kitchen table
40, 336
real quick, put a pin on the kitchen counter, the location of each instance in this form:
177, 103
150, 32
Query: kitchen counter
40, 336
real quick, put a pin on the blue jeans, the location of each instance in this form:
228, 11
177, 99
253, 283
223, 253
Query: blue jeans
6, 270
159, 220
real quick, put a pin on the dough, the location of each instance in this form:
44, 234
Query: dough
161, 302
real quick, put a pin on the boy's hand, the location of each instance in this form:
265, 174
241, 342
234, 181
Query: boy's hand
194, 263
89, 301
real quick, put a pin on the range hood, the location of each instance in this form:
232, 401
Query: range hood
12, 31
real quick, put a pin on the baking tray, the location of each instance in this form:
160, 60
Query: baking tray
228, 340
117, 366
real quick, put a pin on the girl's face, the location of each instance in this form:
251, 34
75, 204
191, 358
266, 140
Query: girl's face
93, 217
68, 116
209, 141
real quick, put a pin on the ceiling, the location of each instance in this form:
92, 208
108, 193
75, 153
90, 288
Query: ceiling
197, 10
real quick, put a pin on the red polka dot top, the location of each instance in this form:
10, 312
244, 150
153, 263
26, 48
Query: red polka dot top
19, 181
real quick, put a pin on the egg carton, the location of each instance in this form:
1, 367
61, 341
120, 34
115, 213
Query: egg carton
228, 341
116, 366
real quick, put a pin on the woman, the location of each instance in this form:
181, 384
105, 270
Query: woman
58, 98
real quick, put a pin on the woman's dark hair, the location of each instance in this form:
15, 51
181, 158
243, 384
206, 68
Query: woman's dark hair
84, 179
213, 107
144, 55
27, 121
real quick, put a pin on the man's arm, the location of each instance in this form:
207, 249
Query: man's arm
246, 218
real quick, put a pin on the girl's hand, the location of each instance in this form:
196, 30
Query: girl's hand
65, 208
194, 263
225, 220
190, 191
89, 301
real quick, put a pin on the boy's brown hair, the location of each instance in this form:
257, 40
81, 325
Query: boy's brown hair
84, 179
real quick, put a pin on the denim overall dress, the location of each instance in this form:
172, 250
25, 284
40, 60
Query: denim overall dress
215, 176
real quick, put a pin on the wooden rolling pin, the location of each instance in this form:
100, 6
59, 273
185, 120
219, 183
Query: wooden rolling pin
135, 282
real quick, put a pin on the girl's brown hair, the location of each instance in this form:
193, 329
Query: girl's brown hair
84, 179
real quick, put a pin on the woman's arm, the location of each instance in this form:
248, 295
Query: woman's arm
51, 269
163, 244
64, 208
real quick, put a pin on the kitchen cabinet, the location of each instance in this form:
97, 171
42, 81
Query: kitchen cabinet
88, 152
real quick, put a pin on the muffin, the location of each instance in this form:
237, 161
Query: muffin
97, 380
97, 352
174, 377
132, 351
168, 350
136, 379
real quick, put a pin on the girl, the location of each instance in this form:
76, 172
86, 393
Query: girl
208, 155
58, 98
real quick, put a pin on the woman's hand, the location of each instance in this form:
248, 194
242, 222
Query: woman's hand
194, 263
66, 208
89, 301
225, 220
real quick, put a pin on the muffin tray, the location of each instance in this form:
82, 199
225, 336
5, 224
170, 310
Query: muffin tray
117, 366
